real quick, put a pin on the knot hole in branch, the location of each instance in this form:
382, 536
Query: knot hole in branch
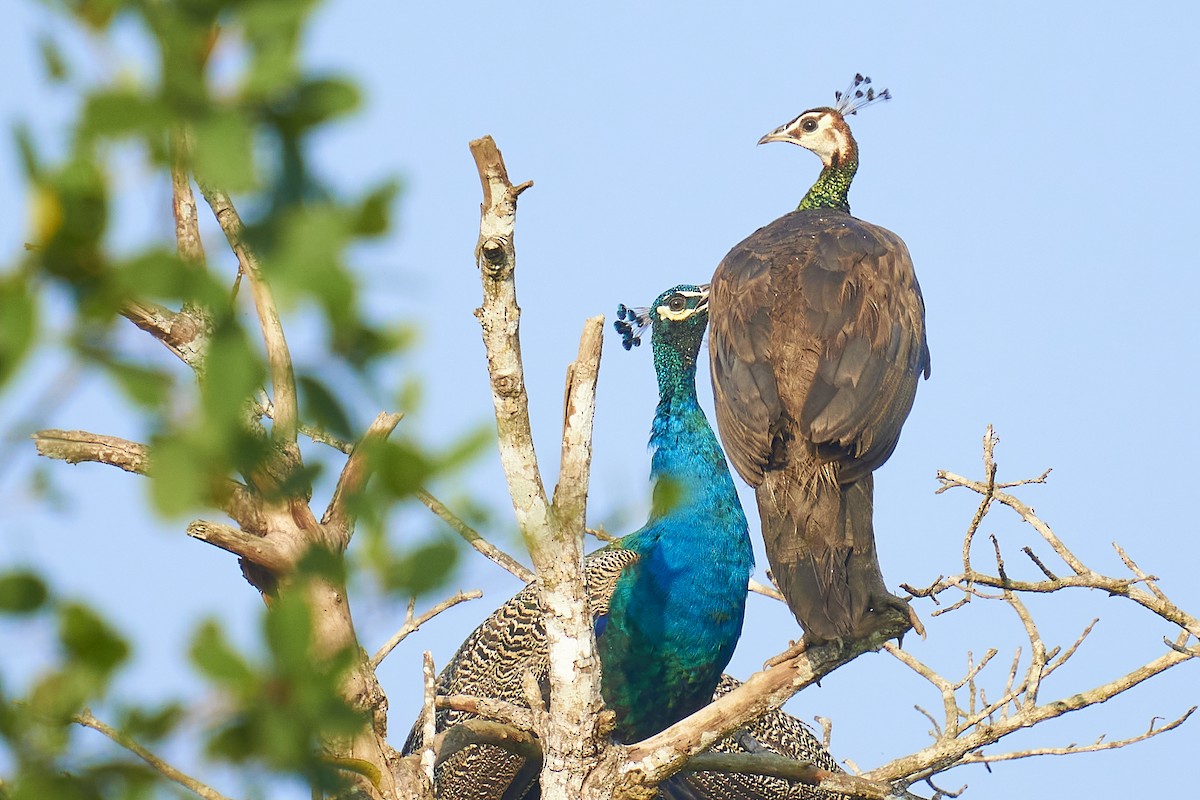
506, 385
494, 252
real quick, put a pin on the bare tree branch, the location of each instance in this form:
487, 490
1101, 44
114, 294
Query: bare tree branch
429, 717
86, 719
473, 538
413, 624
187, 221
341, 514
980, 723
283, 380
554, 535
266, 551
482, 731
184, 333
519, 717
76, 447
499, 317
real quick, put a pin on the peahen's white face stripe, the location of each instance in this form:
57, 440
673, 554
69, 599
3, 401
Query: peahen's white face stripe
822, 131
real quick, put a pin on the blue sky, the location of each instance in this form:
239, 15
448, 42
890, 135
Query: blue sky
1038, 159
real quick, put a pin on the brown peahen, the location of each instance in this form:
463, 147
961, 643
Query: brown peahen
817, 342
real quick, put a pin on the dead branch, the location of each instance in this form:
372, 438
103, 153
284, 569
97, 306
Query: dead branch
169, 772
266, 551
501, 711
184, 333
77, 447
429, 717
473, 538
972, 722
553, 533
413, 624
340, 516
279, 359
482, 731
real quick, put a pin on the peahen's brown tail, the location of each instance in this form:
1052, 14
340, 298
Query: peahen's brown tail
821, 544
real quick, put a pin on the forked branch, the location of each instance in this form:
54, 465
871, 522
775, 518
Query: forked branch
972, 721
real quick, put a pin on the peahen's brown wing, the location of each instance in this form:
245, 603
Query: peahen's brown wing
817, 337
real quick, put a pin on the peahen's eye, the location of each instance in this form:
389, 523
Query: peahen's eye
677, 303
809, 125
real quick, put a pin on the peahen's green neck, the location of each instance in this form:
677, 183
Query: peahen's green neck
833, 186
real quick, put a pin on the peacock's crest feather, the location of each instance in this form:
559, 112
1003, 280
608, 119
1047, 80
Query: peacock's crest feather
631, 323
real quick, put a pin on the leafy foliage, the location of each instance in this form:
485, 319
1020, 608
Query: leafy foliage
224, 97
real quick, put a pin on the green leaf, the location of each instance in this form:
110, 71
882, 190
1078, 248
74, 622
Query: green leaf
223, 151
373, 215
52, 59
402, 468
289, 631
89, 640
177, 475
18, 323
217, 660
121, 112
313, 102
322, 407
21, 592
147, 725
422, 569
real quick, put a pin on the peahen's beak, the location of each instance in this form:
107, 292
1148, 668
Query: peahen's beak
777, 135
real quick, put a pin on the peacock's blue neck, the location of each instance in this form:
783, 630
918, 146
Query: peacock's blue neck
676, 616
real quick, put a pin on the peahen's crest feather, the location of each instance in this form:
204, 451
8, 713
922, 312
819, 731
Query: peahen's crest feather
858, 95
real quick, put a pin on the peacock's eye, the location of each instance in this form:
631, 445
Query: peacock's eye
809, 125
677, 303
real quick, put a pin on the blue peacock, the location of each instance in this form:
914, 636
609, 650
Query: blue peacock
668, 600
676, 612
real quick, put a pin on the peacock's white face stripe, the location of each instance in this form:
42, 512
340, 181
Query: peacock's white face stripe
665, 311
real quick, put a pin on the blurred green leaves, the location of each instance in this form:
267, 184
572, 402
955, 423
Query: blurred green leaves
226, 97
282, 709
21, 592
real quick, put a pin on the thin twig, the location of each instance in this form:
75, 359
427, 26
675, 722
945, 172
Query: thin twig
86, 719
412, 624
283, 380
342, 512
474, 538
1095, 747
429, 718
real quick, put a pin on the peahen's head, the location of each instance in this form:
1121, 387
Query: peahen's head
824, 130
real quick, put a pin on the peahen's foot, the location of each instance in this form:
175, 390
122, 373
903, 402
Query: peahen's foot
794, 649
888, 614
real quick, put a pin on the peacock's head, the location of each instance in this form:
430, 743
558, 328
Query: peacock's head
678, 316
824, 130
